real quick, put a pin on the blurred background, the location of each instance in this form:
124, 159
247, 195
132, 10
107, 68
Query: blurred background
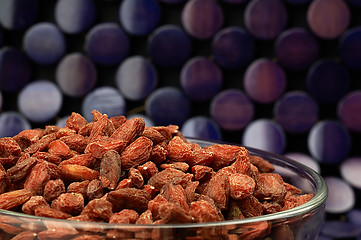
279, 75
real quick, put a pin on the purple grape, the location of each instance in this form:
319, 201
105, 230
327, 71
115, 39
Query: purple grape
148, 121
264, 81
233, 47
205, 25
350, 171
328, 19
231, 109
40, 101
44, 43
11, 123
329, 142
169, 46
167, 105
76, 75
15, 69
201, 127
266, 135
139, 17
136, 78
350, 48
340, 229
106, 100
18, 14
349, 110
265, 19
328, 81
341, 197
296, 49
354, 216
107, 44
296, 112
201, 79
305, 160
74, 16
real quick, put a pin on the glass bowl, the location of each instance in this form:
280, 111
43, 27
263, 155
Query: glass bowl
302, 222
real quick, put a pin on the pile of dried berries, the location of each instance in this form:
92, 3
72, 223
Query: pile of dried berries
119, 171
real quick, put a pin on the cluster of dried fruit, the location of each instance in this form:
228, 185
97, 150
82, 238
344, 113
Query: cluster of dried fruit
119, 171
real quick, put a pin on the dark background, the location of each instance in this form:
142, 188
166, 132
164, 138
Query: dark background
107, 11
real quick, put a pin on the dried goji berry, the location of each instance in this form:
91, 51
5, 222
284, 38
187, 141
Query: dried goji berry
223, 154
136, 153
163, 177
154, 205
40, 145
234, 212
175, 194
25, 235
8, 147
200, 171
50, 213
145, 218
94, 189
125, 183
124, 216
71, 203
85, 159
136, 177
131, 198
37, 178
201, 157
21, 169
269, 187
129, 130
79, 187
75, 121
98, 128
3, 180
76, 142
240, 186
261, 164
77, 173
98, 209
179, 151
118, 121
14, 198
153, 135
218, 189
203, 211
27, 137
99, 147
53, 189
51, 129
158, 154
250, 206
148, 169
33, 203
110, 169
173, 213
59, 148
48, 157
177, 165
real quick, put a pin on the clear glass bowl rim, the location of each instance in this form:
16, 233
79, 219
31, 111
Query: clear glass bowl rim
319, 199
